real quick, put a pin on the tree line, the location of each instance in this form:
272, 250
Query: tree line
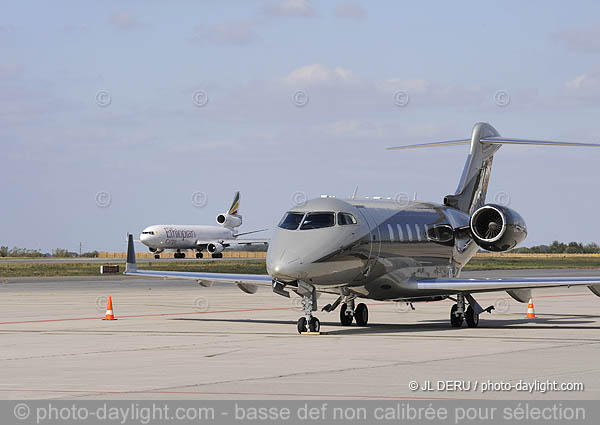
557, 247
35, 253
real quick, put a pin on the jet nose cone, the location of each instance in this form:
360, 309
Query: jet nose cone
285, 265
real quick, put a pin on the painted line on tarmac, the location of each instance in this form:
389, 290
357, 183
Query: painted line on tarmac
148, 315
237, 393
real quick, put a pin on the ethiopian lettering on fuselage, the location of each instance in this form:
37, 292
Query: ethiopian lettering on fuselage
179, 234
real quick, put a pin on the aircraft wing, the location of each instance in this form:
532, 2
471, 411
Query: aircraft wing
246, 282
458, 285
234, 241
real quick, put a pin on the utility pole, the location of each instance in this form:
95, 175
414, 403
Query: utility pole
80, 249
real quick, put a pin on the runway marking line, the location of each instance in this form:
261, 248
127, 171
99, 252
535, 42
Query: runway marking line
147, 315
353, 396
220, 311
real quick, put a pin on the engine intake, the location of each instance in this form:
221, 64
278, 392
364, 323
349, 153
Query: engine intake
230, 221
497, 228
215, 248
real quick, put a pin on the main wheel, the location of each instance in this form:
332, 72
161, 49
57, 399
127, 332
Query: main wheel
199, 255
157, 256
361, 314
314, 325
219, 255
301, 325
345, 319
455, 320
471, 317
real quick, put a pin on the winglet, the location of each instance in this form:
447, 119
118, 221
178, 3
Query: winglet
130, 266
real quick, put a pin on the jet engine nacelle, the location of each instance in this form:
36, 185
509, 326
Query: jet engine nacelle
215, 248
497, 228
156, 250
229, 221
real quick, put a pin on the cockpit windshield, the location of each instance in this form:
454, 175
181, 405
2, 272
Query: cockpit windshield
345, 219
318, 220
291, 220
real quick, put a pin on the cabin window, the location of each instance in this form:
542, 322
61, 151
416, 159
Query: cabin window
291, 220
318, 220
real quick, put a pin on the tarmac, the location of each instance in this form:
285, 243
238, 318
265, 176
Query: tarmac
176, 340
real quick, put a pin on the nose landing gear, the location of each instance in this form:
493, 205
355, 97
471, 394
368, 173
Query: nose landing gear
309, 304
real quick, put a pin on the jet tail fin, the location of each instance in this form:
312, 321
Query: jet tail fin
235, 205
485, 142
130, 266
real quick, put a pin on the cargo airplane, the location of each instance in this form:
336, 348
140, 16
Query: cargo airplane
386, 250
214, 239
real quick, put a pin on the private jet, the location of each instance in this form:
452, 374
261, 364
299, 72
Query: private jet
386, 250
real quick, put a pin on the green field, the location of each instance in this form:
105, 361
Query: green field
93, 269
258, 266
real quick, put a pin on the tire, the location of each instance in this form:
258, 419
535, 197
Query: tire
314, 325
219, 255
471, 317
361, 315
156, 256
301, 325
199, 255
455, 321
345, 319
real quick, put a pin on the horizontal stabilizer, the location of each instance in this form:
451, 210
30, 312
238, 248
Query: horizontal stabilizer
434, 144
496, 141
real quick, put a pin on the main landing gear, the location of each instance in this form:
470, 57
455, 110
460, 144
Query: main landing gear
458, 313
157, 256
219, 255
179, 254
199, 255
349, 311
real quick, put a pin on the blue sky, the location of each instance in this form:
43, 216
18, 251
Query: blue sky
98, 97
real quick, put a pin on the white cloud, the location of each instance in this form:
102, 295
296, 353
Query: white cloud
349, 10
301, 8
584, 86
233, 33
123, 20
317, 74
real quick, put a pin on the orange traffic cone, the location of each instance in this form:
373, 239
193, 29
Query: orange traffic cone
109, 311
530, 311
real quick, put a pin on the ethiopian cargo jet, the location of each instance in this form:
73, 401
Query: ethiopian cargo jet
382, 249
214, 239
